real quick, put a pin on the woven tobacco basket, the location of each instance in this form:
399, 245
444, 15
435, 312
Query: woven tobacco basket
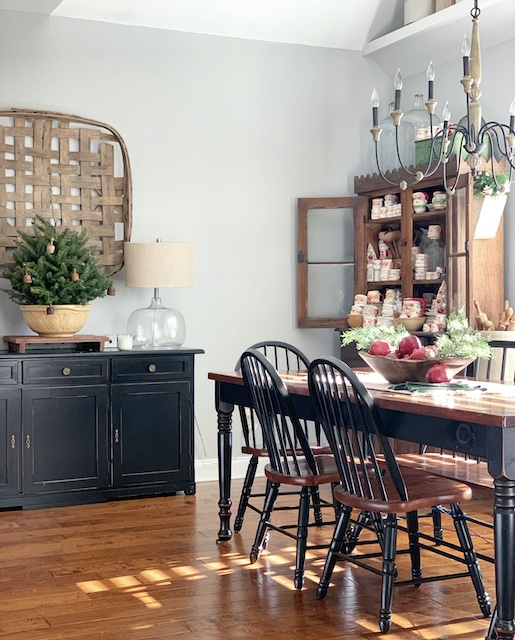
69, 169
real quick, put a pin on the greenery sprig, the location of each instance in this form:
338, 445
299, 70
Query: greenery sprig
364, 336
461, 341
485, 183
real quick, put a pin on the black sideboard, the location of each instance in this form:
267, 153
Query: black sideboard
89, 427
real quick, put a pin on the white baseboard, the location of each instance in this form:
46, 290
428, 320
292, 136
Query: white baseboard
207, 470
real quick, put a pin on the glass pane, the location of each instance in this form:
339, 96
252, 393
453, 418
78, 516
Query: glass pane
330, 235
457, 285
331, 290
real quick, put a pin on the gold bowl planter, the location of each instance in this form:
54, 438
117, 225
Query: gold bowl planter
67, 319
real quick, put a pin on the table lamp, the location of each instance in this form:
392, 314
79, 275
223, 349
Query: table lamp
154, 265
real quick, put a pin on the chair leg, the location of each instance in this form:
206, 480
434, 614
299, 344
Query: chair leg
377, 521
315, 499
353, 537
262, 529
469, 554
302, 537
245, 492
332, 555
414, 548
389, 571
437, 523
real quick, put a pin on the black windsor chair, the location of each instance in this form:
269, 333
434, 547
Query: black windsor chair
285, 358
375, 485
284, 437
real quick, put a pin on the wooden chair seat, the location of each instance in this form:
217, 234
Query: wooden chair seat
424, 491
304, 477
261, 452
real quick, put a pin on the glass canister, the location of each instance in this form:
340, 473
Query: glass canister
387, 149
435, 248
416, 122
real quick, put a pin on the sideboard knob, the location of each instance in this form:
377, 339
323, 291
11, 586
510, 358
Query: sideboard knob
66, 371
152, 368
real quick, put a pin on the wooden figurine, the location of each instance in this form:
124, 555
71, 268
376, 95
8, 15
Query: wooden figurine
482, 321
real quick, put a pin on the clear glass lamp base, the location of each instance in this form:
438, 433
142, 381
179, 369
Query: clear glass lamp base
156, 326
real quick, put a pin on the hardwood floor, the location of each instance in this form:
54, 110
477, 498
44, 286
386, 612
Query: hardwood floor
150, 569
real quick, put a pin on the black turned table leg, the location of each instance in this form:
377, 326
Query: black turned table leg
224, 411
504, 520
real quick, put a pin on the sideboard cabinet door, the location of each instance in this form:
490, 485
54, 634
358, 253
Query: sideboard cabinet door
64, 433
10, 442
152, 436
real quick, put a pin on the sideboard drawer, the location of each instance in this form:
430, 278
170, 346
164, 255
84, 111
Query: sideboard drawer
66, 370
9, 371
151, 367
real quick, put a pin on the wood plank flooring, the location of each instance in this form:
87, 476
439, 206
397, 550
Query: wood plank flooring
151, 569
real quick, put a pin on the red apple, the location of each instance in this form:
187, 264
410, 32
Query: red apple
408, 344
439, 373
380, 348
418, 354
392, 354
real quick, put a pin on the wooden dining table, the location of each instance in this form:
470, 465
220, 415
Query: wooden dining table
478, 422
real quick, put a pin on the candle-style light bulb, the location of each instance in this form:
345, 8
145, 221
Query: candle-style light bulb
512, 115
397, 83
430, 80
446, 113
375, 105
465, 47
465, 50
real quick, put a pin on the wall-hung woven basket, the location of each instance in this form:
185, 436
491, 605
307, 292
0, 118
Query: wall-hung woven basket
69, 169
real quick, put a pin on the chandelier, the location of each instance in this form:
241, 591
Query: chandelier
472, 134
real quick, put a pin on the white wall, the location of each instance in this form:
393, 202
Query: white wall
223, 135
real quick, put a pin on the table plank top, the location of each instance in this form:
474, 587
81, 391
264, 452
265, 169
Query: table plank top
493, 406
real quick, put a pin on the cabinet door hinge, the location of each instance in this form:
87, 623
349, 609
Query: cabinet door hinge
301, 257
13, 441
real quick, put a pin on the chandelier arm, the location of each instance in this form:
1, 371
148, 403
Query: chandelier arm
496, 130
378, 165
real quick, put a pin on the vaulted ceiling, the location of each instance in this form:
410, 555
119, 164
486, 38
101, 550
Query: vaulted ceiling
374, 27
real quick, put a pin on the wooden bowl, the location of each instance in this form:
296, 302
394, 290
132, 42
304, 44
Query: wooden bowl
354, 320
397, 371
412, 324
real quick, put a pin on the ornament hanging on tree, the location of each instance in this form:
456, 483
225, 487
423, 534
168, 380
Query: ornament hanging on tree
26, 276
75, 275
50, 248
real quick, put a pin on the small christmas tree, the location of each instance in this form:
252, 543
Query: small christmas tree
55, 266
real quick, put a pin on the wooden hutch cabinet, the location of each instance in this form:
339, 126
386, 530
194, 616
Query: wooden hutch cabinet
474, 267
